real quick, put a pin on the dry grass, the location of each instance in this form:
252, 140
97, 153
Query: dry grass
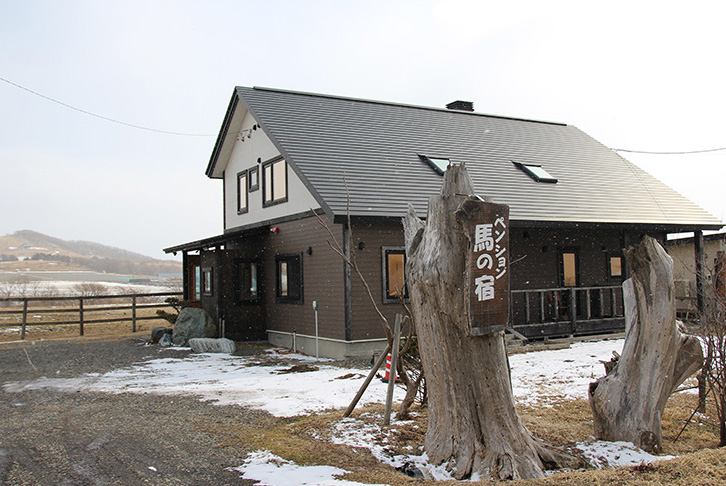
305, 441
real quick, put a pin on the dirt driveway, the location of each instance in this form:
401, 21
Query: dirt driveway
56, 438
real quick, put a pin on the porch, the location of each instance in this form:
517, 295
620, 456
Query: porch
567, 311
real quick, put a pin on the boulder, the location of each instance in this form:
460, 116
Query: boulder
208, 345
165, 340
193, 323
158, 332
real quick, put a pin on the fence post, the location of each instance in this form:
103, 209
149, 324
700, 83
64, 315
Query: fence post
25, 318
80, 313
133, 313
573, 310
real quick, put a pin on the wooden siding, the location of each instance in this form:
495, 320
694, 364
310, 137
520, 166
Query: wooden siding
322, 280
366, 324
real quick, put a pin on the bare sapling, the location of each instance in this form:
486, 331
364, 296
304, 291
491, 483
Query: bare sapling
408, 366
713, 328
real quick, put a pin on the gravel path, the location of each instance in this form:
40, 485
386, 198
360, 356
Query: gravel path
52, 438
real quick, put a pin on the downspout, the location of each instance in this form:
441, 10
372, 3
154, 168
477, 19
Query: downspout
347, 287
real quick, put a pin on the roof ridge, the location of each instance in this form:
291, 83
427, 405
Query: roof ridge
403, 105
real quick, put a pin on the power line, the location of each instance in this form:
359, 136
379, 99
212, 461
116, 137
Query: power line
670, 153
105, 117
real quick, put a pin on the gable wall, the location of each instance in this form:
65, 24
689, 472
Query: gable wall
245, 155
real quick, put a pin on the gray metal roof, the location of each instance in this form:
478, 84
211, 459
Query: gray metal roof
375, 147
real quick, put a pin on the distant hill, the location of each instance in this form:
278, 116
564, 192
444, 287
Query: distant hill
30, 250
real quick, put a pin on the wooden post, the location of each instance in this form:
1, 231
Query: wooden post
80, 314
25, 318
367, 382
394, 364
700, 255
526, 308
133, 313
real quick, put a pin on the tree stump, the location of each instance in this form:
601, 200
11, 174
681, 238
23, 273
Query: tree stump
627, 403
473, 423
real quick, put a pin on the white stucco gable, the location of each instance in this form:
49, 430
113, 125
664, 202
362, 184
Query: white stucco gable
251, 151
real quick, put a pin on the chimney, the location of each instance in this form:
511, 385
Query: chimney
461, 105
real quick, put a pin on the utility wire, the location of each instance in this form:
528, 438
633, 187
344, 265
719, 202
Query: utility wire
670, 153
105, 117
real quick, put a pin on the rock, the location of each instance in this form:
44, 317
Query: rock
193, 323
158, 332
208, 345
165, 340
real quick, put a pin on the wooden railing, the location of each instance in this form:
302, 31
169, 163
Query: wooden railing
567, 311
135, 303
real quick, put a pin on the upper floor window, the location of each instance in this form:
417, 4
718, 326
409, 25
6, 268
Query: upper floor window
253, 176
242, 199
274, 182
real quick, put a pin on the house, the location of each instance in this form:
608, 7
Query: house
682, 250
285, 158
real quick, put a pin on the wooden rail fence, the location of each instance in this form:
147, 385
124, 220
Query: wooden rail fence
134, 303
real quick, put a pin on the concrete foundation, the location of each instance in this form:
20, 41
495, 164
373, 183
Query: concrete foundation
327, 348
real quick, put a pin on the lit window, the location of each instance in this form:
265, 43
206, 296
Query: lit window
274, 182
615, 266
247, 281
394, 265
242, 192
289, 278
536, 172
439, 164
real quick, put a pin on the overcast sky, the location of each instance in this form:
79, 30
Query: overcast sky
633, 75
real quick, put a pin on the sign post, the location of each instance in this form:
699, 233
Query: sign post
315, 308
488, 267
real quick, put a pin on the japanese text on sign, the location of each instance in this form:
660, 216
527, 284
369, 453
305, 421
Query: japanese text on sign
492, 263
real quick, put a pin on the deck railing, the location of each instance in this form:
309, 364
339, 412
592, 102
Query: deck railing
567, 311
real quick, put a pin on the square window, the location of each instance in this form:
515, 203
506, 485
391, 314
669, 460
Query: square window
274, 182
289, 285
394, 274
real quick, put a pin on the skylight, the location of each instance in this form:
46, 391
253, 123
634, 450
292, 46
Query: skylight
536, 172
439, 164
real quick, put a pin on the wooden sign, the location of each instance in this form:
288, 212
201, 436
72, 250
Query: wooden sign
488, 267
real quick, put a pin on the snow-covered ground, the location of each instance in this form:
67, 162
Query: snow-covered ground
537, 378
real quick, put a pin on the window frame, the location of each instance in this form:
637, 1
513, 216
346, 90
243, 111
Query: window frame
250, 172
239, 286
273, 198
297, 260
242, 179
531, 170
385, 283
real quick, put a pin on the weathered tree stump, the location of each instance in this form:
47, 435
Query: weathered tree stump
473, 423
627, 403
